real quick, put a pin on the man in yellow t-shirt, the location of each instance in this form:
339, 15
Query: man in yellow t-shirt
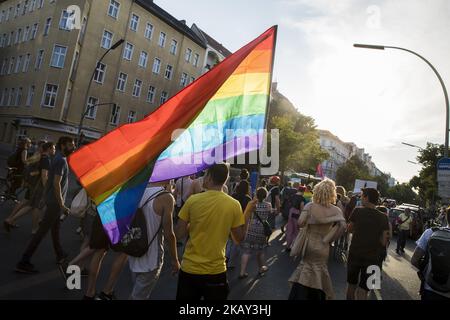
404, 226
208, 218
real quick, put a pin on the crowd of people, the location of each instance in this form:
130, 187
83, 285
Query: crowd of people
209, 226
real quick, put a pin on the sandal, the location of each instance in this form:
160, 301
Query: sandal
263, 270
243, 276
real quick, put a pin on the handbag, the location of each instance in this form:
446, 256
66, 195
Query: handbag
267, 228
298, 248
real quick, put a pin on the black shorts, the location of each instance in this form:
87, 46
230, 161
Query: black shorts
358, 271
193, 287
99, 239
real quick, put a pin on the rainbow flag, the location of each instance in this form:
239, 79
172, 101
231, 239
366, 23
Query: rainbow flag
222, 114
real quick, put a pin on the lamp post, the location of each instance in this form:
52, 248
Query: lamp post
412, 145
447, 106
83, 114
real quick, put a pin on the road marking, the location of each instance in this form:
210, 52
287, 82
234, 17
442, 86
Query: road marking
378, 295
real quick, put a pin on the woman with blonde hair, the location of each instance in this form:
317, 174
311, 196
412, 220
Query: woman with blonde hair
325, 223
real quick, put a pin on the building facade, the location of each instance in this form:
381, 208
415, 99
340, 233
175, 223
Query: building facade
338, 150
49, 51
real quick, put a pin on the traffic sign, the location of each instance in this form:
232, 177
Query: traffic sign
443, 178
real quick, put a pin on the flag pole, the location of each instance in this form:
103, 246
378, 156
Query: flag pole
266, 120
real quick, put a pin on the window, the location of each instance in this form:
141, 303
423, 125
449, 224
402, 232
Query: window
115, 115
39, 59
163, 97
99, 75
16, 13
11, 65
26, 34
34, 31
48, 24
5, 97
32, 5
12, 95
18, 36
107, 39
134, 22
2, 15
137, 88
187, 55
121, 84
184, 78
191, 80
74, 66
156, 66
18, 97
148, 31
91, 108
169, 71
30, 96
10, 39
59, 56
131, 117
196, 59
162, 39
10, 12
83, 29
66, 21
173, 47
113, 10
40, 4
143, 59
128, 51
50, 93
25, 7
4, 66
151, 94
26, 64
19, 62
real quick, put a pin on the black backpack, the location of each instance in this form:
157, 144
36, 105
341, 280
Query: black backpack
437, 274
135, 242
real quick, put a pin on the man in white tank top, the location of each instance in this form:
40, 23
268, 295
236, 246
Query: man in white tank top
158, 214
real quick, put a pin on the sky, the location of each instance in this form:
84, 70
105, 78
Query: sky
376, 99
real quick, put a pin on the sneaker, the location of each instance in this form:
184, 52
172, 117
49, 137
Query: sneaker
398, 251
402, 250
104, 296
26, 267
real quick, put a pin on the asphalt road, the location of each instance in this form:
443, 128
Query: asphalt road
400, 281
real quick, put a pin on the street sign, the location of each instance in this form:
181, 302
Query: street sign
443, 178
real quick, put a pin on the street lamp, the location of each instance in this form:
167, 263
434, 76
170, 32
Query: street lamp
447, 105
412, 162
412, 145
83, 114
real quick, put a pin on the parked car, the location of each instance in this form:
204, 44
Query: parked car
416, 225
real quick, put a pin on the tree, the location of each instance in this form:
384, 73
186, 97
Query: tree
353, 169
403, 193
299, 148
426, 181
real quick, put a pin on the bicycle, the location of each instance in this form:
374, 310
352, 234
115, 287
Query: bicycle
9, 186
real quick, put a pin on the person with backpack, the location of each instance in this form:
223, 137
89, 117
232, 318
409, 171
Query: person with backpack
274, 197
405, 220
35, 204
286, 203
256, 215
432, 258
157, 206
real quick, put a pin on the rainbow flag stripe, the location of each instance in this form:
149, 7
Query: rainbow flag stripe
222, 111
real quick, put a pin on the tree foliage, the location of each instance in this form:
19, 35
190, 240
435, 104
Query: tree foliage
403, 193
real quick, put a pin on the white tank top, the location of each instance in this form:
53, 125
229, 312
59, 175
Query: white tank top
154, 257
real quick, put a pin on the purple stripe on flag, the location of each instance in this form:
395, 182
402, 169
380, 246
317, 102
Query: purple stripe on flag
184, 165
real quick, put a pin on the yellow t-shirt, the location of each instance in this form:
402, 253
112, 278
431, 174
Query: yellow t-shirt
211, 216
407, 221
